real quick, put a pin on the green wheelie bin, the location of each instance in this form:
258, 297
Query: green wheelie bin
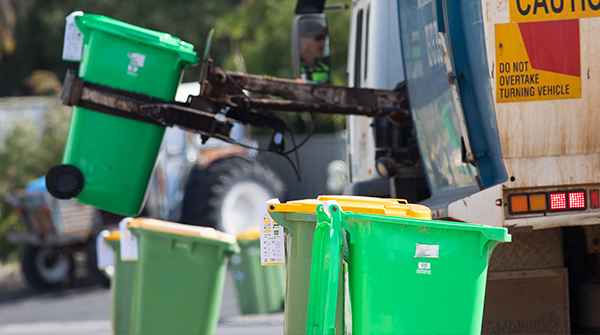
121, 288
179, 277
299, 220
260, 289
106, 154
405, 276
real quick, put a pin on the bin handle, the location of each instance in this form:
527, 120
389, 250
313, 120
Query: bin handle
325, 270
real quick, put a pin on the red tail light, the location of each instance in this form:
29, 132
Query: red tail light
577, 200
558, 201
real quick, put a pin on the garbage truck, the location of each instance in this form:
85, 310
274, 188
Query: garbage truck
503, 105
483, 110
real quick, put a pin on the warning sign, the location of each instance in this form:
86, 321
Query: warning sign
538, 61
550, 10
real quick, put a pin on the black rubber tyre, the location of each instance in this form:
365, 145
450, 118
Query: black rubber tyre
64, 181
45, 268
226, 195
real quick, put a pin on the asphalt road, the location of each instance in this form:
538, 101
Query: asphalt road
85, 309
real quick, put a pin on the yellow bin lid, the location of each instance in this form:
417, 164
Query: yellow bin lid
181, 229
114, 236
358, 204
249, 234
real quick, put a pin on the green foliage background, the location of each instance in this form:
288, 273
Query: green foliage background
255, 31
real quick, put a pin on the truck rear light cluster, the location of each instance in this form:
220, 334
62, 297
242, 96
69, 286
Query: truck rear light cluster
552, 201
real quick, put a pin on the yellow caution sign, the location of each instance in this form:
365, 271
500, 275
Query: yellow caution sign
550, 10
538, 61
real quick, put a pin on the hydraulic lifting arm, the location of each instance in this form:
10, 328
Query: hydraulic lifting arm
227, 97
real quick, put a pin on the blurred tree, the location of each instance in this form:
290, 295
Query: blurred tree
27, 154
250, 33
37, 33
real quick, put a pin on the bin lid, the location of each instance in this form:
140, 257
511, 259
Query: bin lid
249, 234
491, 233
149, 37
358, 204
113, 236
182, 229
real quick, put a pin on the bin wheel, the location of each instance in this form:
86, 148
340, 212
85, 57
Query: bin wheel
45, 268
64, 181
227, 194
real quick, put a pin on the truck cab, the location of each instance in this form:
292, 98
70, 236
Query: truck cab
438, 157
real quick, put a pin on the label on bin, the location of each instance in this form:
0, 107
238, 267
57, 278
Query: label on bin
136, 61
427, 250
129, 244
73, 44
272, 241
104, 252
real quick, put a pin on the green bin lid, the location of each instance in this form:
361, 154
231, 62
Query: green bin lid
87, 22
492, 233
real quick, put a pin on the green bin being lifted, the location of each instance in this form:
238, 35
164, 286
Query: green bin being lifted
108, 160
121, 288
179, 277
405, 276
299, 219
260, 289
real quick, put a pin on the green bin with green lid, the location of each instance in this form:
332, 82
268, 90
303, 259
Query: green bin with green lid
299, 220
179, 277
260, 289
108, 160
121, 288
405, 276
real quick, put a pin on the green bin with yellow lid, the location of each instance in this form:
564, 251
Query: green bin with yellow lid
299, 220
121, 287
260, 289
179, 277
405, 275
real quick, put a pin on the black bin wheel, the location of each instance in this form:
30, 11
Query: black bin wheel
64, 181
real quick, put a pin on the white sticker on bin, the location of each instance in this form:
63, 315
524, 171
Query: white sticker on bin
272, 241
129, 243
136, 61
427, 251
104, 252
73, 43
424, 265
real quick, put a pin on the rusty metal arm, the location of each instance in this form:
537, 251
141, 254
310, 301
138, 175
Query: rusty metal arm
244, 98
77, 92
231, 88
323, 98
